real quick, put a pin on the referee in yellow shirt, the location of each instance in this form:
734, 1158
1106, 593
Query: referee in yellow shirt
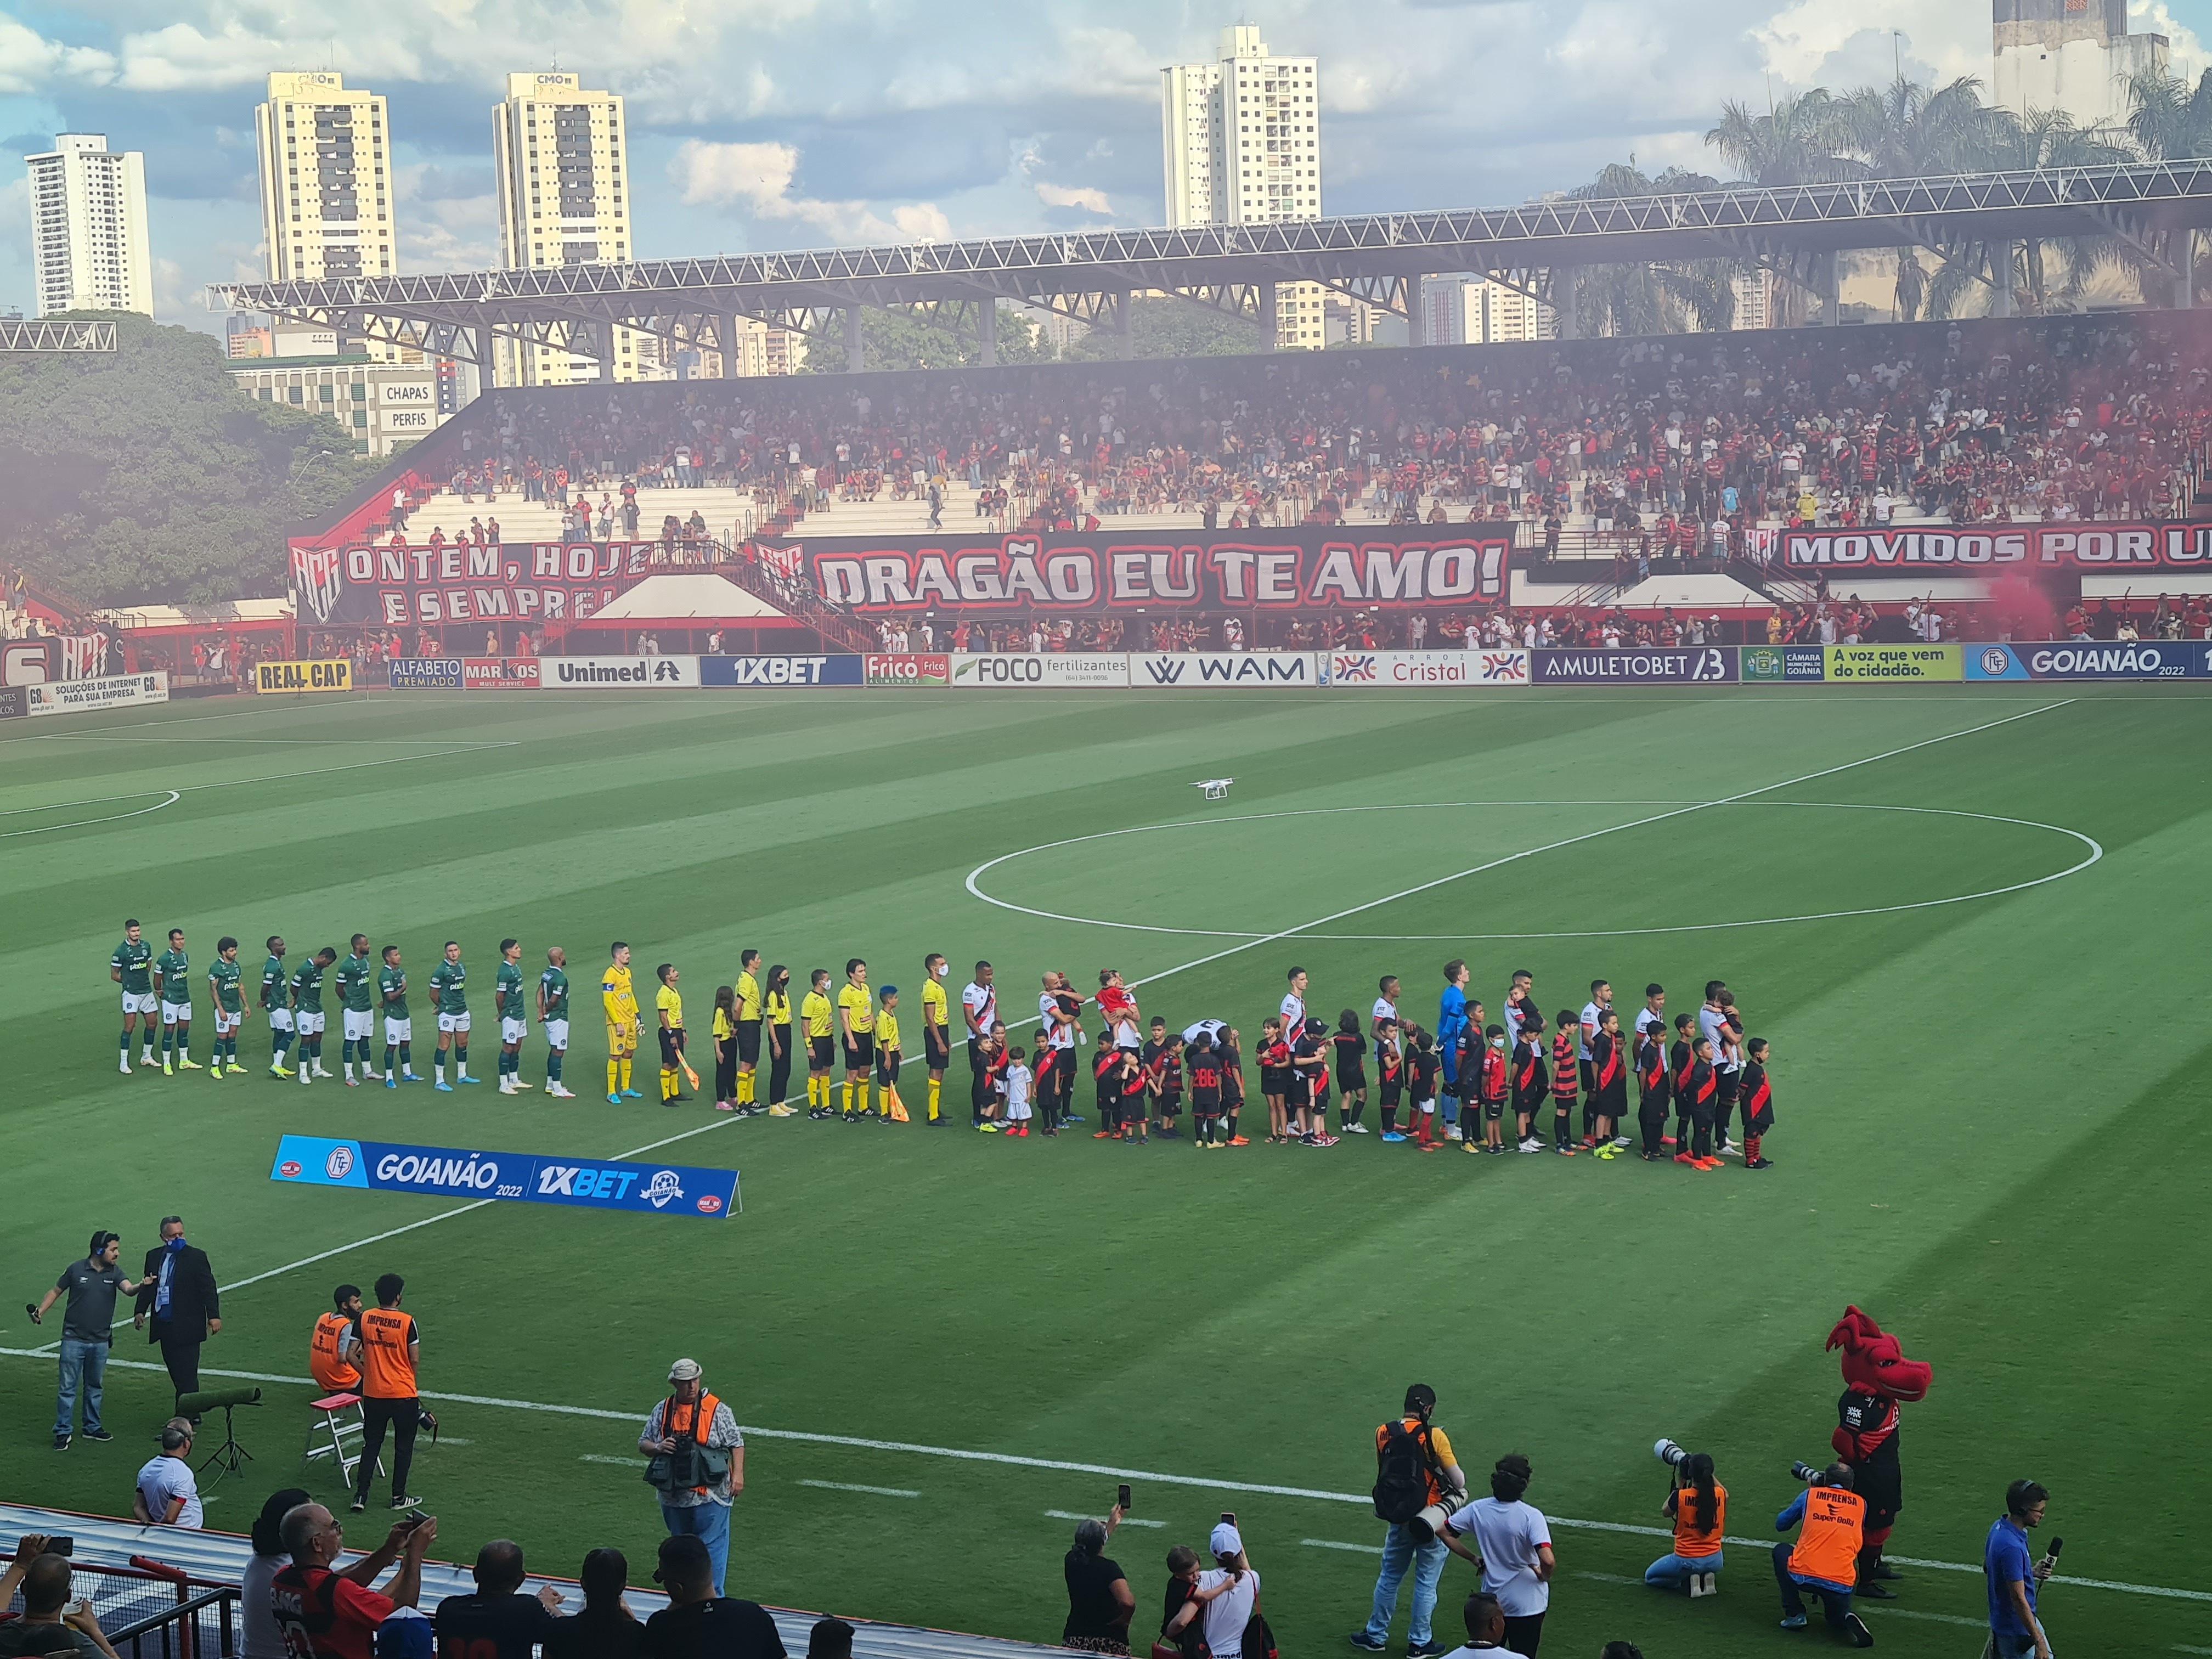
856, 1025
892, 1108
668, 1005
819, 1015
620, 1002
746, 1022
936, 1028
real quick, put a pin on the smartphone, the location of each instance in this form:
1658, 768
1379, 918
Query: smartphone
1229, 1516
61, 1546
1123, 1499
414, 1518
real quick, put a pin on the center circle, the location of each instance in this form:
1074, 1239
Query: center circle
1325, 929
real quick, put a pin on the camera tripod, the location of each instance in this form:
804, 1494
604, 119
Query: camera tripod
225, 1458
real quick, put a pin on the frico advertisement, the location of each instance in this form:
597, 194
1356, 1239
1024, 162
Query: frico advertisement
1774, 665
412, 586
2081, 659
617, 673
121, 692
1874, 665
1693, 665
779, 671
1360, 670
1019, 672
908, 669
425, 674
1228, 670
519, 1177
1242, 570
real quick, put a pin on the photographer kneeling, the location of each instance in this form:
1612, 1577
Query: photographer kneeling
1824, 1558
1698, 1507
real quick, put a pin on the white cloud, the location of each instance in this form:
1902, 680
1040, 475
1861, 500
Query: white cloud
2186, 55
29, 63
1060, 196
757, 180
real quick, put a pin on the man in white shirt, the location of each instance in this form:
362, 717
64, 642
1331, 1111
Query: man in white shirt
1486, 1629
979, 1007
1386, 1007
1714, 1024
1294, 1003
167, 1495
1056, 1020
1513, 1548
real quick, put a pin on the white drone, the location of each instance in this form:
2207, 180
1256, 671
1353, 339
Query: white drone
1213, 788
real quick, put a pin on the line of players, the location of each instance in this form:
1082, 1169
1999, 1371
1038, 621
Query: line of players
1446, 1081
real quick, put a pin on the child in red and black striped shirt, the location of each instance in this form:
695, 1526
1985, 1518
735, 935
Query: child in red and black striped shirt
1758, 1098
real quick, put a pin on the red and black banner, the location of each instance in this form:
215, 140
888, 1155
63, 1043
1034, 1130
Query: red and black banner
1971, 549
424, 586
1335, 567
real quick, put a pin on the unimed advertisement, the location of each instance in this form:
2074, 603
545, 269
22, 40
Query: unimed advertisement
119, 691
1019, 672
1870, 665
617, 673
1361, 670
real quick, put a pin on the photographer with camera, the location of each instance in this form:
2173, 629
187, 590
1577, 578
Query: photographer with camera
696, 1462
1416, 1482
1698, 1506
1824, 1558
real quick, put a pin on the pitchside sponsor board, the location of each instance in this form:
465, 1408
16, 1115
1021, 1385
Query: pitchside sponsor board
29, 662
14, 701
120, 691
1227, 671
617, 673
2080, 660
1015, 672
1357, 670
1771, 665
425, 674
1689, 664
522, 1177
908, 669
1167, 570
402, 587
1865, 664
329, 675
500, 674
779, 671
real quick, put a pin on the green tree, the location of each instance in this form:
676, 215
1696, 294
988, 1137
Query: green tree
149, 477
1166, 327
903, 338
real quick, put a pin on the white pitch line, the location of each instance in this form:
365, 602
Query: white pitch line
1069, 1515
86, 824
1338, 1544
873, 1491
595, 1457
1012, 1460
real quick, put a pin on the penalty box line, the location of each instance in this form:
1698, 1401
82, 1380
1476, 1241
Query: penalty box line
1589, 835
1206, 1483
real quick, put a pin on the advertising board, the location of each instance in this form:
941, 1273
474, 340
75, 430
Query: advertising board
1874, 665
617, 673
329, 674
1232, 671
424, 674
117, 691
2084, 659
1687, 665
591, 1183
1360, 670
1030, 671
907, 670
779, 671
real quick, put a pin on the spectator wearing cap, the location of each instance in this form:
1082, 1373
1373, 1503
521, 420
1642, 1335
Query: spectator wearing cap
1100, 1602
496, 1620
259, 1637
698, 1622
604, 1628
697, 1462
167, 1494
1226, 1598
49, 1624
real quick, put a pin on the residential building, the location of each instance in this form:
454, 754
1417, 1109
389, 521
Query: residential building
381, 406
2071, 55
1464, 310
1754, 299
327, 205
562, 177
1240, 145
89, 250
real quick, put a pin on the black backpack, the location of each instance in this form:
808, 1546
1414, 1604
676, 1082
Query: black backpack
1402, 1465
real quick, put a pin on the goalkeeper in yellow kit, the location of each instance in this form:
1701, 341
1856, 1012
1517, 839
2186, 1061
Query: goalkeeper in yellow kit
620, 1001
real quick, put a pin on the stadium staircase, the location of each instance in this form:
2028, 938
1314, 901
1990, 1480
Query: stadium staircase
125, 1569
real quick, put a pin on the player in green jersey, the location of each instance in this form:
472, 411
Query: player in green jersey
450, 998
356, 1010
227, 994
128, 967
173, 984
553, 1015
399, 1029
276, 984
307, 1013
513, 1002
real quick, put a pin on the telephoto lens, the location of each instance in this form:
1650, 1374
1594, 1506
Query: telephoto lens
1804, 1472
1669, 1454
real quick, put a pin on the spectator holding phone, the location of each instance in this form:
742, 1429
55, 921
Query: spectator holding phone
1099, 1599
331, 1615
49, 1624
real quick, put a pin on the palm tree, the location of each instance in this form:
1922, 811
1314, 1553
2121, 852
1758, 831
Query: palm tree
1793, 143
2169, 120
1652, 299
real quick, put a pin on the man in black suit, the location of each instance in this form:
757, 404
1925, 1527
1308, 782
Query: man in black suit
180, 1298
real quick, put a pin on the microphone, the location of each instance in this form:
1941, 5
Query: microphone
2051, 1556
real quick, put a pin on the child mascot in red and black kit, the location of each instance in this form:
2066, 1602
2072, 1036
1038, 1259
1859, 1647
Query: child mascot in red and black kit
1877, 1379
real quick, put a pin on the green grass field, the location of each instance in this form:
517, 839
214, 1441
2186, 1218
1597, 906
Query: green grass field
1993, 1127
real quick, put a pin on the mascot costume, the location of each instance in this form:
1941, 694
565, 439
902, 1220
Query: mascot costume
1877, 1379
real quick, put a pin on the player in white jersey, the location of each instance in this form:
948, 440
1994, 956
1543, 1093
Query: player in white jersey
979, 1007
1293, 1008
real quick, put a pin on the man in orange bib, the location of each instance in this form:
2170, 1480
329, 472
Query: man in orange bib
332, 1373
1824, 1558
386, 1345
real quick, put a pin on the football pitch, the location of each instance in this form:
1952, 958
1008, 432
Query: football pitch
1968, 921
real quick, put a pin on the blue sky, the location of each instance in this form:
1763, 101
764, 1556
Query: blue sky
759, 124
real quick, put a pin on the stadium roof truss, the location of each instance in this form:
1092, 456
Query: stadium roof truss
70, 335
2154, 209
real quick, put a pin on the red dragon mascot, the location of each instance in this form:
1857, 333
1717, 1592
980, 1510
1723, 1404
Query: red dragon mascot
1877, 1379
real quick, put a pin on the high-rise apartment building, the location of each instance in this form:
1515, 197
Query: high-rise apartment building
1240, 145
88, 241
563, 179
327, 206
1480, 311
